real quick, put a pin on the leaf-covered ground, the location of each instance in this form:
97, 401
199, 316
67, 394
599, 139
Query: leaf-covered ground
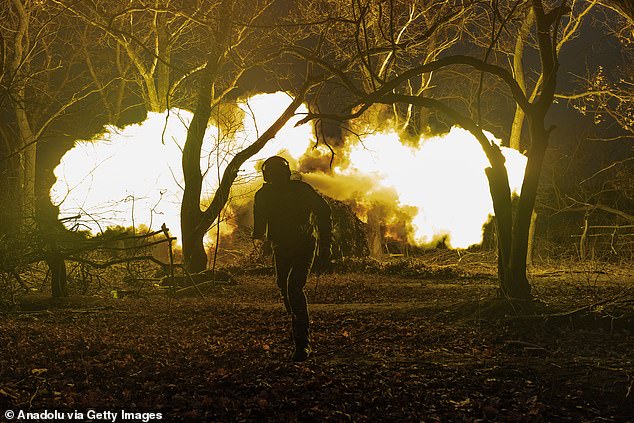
387, 348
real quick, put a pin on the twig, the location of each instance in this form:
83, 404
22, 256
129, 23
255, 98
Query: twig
584, 308
193, 283
200, 285
528, 345
106, 264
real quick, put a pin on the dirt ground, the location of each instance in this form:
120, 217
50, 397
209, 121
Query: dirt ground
387, 348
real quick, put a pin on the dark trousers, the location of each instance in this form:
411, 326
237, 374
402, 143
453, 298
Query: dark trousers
291, 271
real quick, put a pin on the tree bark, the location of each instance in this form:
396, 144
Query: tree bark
518, 71
27, 159
515, 138
518, 285
194, 255
531, 238
26, 138
163, 71
57, 267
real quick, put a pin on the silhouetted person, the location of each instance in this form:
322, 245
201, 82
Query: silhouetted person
282, 212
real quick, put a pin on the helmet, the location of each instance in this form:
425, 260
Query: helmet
276, 169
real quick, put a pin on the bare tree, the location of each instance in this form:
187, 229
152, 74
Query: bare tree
234, 43
531, 84
625, 8
41, 87
512, 227
200, 50
607, 97
373, 41
157, 44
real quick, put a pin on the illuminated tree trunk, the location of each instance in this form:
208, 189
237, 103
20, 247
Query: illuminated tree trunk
515, 138
194, 255
511, 230
518, 72
9, 180
502, 208
516, 228
517, 285
163, 69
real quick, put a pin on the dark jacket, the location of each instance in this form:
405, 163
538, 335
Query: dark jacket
283, 211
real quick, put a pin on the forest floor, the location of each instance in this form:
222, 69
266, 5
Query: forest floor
387, 348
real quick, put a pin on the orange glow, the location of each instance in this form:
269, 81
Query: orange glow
133, 174
441, 183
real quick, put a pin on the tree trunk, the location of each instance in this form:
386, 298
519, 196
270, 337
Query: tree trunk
520, 287
194, 255
518, 72
163, 69
26, 138
515, 138
531, 238
152, 100
515, 283
375, 236
51, 233
57, 267
502, 207
27, 157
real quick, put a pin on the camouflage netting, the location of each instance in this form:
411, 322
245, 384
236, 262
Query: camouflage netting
349, 237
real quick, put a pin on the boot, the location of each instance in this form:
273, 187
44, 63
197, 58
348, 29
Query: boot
302, 350
302, 338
